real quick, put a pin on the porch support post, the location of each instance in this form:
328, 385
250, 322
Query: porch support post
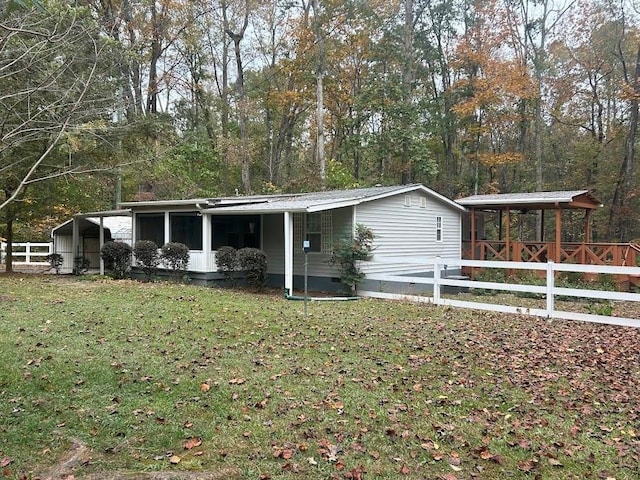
542, 225
288, 253
167, 228
499, 225
508, 238
206, 240
75, 241
558, 232
473, 234
101, 244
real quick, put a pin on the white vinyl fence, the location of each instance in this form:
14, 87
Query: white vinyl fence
549, 289
28, 253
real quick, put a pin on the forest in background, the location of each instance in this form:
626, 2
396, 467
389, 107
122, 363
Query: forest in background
107, 100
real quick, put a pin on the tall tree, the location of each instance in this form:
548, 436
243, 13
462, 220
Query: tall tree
622, 217
55, 80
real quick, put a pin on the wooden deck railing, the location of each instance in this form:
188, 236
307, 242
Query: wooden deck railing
615, 254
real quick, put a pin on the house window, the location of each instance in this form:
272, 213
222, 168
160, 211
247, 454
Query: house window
150, 226
317, 228
236, 232
314, 231
186, 228
438, 229
407, 200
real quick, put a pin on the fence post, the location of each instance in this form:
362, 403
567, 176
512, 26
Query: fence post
436, 281
550, 286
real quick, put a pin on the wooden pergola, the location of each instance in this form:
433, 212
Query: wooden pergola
507, 203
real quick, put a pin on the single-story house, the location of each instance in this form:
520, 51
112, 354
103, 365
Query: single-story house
412, 225
89, 232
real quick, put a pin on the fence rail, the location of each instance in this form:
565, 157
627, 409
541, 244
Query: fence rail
27, 253
549, 289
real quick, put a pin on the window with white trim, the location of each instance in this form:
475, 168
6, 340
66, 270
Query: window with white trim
438, 228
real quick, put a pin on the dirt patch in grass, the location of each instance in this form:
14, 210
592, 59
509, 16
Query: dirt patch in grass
70, 465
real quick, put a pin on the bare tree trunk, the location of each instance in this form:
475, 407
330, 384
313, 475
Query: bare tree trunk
8, 216
317, 26
245, 158
156, 51
407, 80
224, 94
620, 216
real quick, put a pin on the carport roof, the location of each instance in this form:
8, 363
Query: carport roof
532, 200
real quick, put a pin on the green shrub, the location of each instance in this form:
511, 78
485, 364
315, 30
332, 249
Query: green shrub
117, 258
175, 257
253, 262
350, 250
81, 265
55, 260
493, 275
147, 257
601, 308
227, 263
529, 278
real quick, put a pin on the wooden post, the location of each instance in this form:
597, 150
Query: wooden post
558, 233
473, 234
508, 238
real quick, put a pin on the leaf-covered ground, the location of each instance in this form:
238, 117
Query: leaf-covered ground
161, 377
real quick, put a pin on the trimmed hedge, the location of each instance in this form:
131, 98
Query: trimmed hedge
117, 258
227, 263
253, 262
147, 257
175, 257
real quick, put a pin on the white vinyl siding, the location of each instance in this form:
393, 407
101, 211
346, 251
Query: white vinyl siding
406, 237
273, 242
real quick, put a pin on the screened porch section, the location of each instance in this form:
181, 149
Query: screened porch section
203, 234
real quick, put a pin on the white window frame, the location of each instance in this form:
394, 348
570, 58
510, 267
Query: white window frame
439, 229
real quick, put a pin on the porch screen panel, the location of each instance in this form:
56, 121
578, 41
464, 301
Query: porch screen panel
317, 228
327, 232
314, 231
298, 231
150, 226
187, 228
236, 232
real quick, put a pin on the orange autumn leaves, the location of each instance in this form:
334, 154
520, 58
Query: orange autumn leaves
494, 86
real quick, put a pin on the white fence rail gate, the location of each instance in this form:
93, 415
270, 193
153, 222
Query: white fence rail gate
549, 289
27, 253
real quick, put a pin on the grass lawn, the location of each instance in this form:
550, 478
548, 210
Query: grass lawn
157, 377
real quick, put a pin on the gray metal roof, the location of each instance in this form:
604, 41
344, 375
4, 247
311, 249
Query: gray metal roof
528, 199
314, 201
293, 202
